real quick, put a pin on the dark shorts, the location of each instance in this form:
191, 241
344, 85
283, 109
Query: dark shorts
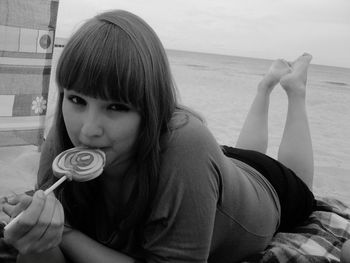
296, 199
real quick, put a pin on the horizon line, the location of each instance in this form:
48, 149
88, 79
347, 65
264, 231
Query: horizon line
63, 40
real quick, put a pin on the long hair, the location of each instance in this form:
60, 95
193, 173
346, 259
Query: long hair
117, 56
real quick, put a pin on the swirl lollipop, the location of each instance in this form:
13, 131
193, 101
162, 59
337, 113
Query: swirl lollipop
78, 164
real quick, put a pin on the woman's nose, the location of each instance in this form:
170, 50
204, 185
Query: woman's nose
91, 126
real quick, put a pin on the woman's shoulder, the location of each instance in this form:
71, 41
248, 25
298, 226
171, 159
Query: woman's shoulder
191, 159
189, 143
187, 129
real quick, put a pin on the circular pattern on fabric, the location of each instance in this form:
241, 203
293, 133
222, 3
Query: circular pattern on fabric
79, 164
45, 41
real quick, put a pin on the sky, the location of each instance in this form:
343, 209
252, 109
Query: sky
250, 28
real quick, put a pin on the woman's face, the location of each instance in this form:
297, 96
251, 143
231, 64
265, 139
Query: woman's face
107, 125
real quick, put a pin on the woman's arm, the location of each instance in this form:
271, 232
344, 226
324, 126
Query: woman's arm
51, 256
80, 248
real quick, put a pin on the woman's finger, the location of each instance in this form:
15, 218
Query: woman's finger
13, 199
27, 219
8, 209
4, 218
53, 234
15, 204
47, 232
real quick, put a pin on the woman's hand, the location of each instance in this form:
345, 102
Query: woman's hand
39, 227
4, 218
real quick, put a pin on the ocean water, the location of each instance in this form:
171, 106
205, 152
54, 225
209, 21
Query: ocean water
221, 88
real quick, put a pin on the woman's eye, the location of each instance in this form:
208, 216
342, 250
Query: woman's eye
118, 107
76, 100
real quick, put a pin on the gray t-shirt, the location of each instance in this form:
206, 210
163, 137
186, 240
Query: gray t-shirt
209, 208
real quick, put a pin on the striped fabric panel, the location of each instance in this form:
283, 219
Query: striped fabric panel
6, 105
27, 31
22, 123
37, 105
23, 105
24, 80
15, 54
21, 137
21, 39
36, 14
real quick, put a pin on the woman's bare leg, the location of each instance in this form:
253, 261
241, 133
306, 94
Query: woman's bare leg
295, 150
254, 133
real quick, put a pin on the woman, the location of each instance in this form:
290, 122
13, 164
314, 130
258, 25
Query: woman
168, 192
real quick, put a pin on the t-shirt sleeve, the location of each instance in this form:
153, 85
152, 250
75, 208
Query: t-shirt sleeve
182, 220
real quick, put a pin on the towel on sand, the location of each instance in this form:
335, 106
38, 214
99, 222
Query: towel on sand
319, 239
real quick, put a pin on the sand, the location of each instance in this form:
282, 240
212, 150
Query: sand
18, 168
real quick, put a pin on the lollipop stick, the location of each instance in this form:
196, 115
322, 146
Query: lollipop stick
55, 185
46, 192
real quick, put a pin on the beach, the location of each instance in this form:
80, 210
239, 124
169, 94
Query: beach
221, 89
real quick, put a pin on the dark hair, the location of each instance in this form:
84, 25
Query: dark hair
117, 56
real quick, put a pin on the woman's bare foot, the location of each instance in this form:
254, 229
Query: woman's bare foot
277, 70
295, 82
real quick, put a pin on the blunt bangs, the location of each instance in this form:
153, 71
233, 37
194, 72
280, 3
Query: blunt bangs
101, 61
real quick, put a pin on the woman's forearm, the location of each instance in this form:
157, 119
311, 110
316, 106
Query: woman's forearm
80, 248
53, 255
